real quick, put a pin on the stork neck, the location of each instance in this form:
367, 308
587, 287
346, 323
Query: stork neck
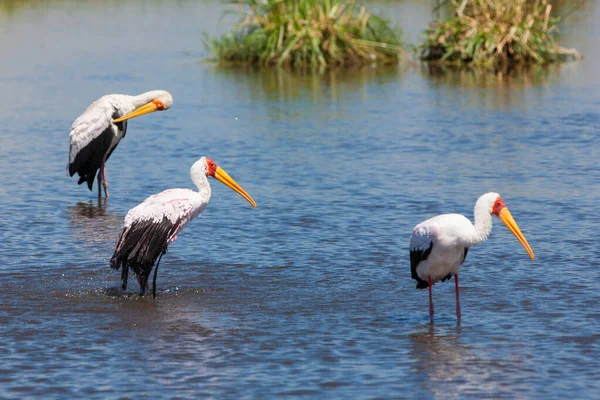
483, 223
144, 98
201, 182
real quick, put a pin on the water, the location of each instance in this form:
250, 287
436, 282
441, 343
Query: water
309, 295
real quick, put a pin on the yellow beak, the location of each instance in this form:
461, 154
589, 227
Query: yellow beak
224, 178
145, 109
506, 217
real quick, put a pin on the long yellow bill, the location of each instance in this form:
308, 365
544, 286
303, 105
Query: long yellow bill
224, 178
145, 109
506, 217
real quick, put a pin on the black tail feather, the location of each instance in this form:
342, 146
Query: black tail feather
124, 276
89, 159
421, 284
139, 247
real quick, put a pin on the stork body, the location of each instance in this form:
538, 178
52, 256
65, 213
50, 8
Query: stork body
151, 226
96, 133
439, 245
442, 261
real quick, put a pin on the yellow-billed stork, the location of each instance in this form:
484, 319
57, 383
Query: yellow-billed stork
97, 132
152, 225
439, 245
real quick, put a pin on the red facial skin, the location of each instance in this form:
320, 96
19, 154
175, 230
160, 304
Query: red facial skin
212, 167
498, 206
159, 104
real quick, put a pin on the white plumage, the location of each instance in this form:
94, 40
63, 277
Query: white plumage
96, 133
172, 204
447, 233
439, 245
151, 226
178, 206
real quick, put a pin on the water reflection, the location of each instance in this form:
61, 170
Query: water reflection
454, 369
440, 357
503, 89
325, 86
89, 209
91, 222
512, 78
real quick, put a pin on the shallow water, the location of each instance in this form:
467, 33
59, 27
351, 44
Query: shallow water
309, 295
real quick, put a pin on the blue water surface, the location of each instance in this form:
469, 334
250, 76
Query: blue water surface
310, 294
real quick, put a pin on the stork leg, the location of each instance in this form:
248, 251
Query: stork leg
457, 296
124, 275
143, 281
154, 279
104, 180
140, 279
430, 297
100, 183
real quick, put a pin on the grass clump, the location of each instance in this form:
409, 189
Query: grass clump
496, 33
308, 33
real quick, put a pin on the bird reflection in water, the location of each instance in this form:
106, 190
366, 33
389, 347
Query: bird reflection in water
89, 209
91, 223
441, 357
452, 369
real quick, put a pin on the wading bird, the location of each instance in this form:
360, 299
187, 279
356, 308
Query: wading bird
439, 245
152, 225
97, 132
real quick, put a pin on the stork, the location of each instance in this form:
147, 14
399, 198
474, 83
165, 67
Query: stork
439, 245
152, 225
96, 133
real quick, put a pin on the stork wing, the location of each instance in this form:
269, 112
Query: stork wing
90, 125
92, 139
421, 244
178, 206
152, 225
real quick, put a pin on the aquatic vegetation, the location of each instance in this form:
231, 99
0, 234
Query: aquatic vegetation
311, 33
496, 33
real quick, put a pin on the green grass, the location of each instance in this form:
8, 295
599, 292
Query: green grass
496, 33
308, 33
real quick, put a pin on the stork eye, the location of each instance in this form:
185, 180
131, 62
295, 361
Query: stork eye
159, 104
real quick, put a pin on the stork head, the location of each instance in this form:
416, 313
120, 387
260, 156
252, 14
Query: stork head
497, 207
208, 167
155, 100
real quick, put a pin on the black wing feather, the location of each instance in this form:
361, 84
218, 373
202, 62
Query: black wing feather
89, 159
416, 256
141, 244
122, 126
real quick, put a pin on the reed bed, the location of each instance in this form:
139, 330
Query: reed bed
308, 33
496, 33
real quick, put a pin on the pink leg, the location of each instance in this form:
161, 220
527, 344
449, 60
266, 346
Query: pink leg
430, 297
104, 180
100, 183
457, 296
